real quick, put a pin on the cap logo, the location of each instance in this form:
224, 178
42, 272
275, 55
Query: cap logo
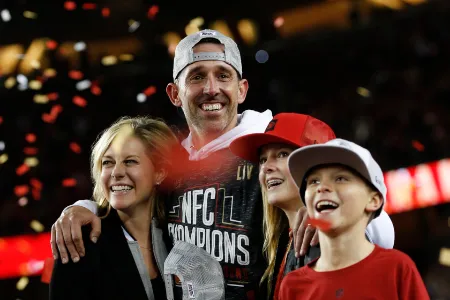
271, 125
190, 288
207, 33
377, 180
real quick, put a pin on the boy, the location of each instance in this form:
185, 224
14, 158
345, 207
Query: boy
343, 187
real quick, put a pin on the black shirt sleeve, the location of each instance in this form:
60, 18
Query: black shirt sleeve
76, 280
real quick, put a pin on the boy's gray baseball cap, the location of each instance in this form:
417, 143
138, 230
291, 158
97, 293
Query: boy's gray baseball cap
336, 151
380, 230
184, 55
201, 274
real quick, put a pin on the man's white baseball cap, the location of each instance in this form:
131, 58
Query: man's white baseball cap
201, 274
184, 55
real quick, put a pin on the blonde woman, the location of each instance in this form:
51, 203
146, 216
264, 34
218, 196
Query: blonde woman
129, 162
281, 198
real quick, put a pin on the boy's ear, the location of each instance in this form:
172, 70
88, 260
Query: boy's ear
376, 201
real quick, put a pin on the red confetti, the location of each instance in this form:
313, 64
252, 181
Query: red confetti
75, 147
21, 190
75, 74
152, 11
1, 119
36, 184
22, 169
89, 6
48, 270
80, 101
69, 182
56, 109
51, 117
48, 118
30, 150
52, 96
51, 44
70, 5
30, 138
36, 194
418, 145
320, 224
106, 12
36, 190
150, 91
96, 90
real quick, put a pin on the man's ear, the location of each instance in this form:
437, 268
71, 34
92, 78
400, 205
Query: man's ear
376, 201
243, 89
172, 92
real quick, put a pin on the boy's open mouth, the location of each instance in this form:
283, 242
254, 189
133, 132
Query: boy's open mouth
326, 206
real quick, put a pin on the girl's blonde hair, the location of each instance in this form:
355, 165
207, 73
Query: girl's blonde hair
274, 224
160, 141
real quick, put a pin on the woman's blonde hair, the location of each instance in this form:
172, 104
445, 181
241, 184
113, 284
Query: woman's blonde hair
160, 141
275, 223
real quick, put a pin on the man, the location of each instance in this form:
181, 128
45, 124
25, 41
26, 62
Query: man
217, 203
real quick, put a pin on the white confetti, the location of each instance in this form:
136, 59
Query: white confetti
141, 97
23, 201
6, 15
80, 46
134, 26
22, 79
84, 84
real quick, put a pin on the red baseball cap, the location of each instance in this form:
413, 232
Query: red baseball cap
297, 130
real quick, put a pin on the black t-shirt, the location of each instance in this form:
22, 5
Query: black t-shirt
159, 289
216, 204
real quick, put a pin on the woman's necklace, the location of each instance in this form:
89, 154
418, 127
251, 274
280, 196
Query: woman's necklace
149, 249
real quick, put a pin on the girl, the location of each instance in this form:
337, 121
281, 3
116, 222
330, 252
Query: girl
281, 198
